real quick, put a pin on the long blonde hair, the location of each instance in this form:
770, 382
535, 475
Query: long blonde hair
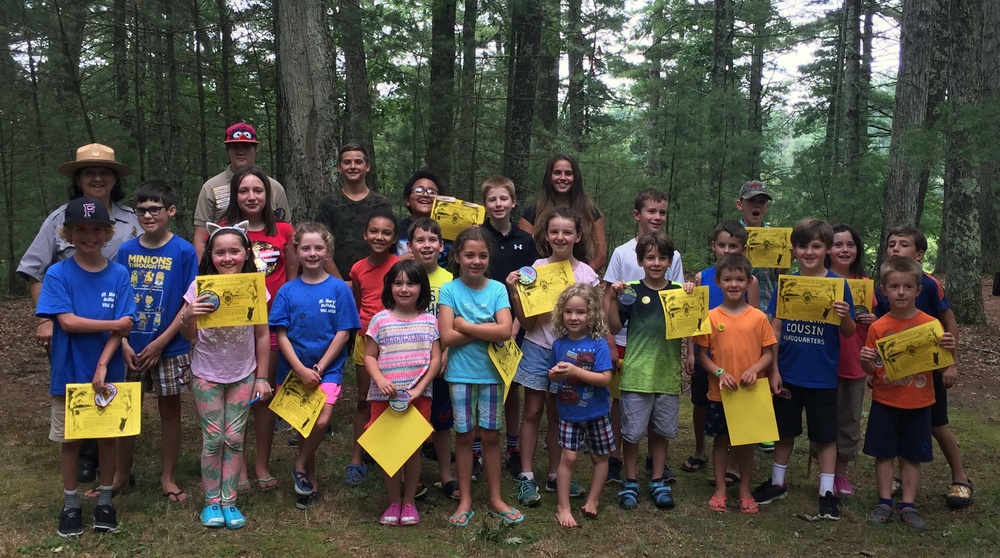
595, 313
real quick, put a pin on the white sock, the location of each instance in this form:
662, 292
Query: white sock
552, 476
778, 474
528, 475
825, 483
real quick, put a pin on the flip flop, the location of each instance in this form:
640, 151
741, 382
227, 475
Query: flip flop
449, 489
509, 517
732, 479
693, 464
960, 495
175, 497
267, 485
243, 487
462, 519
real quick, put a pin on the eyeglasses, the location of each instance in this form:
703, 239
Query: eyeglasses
420, 190
152, 211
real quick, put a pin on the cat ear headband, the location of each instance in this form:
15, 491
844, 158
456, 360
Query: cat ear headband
240, 228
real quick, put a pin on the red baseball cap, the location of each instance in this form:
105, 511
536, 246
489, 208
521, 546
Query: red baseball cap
241, 132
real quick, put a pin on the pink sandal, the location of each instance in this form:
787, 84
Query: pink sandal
391, 515
409, 515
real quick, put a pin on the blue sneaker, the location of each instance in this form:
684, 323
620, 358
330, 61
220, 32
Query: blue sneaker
628, 496
527, 492
212, 516
661, 494
234, 519
355, 474
302, 485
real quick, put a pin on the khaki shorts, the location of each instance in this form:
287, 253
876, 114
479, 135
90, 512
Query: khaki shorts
57, 421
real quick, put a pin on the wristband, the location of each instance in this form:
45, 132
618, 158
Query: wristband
316, 368
261, 380
719, 372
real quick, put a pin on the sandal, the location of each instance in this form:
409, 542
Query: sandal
355, 474
243, 487
661, 494
732, 479
409, 515
267, 485
175, 497
449, 489
510, 516
628, 496
302, 485
960, 495
391, 515
749, 506
461, 519
717, 504
693, 464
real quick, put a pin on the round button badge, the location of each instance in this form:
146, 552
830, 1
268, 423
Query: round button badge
628, 296
401, 401
212, 298
528, 275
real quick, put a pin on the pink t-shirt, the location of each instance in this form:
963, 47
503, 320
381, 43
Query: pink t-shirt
404, 349
542, 334
223, 354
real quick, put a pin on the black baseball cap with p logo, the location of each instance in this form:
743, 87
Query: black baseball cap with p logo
87, 210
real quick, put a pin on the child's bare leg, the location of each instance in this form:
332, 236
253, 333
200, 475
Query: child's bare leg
631, 452
720, 464
567, 462
658, 451
362, 413
534, 402
411, 477
552, 433
783, 450
883, 478
492, 466
909, 473
463, 469
949, 447
393, 487
442, 447
124, 448
597, 480
306, 462
170, 441
69, 453
826, 456
743, 455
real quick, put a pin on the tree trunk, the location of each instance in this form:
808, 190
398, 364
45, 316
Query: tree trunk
307, 109
119, 51
200, 76
523, 48
441, 127
172, 171
989, 168
852, 99
720, 81
962, 190
755, 123
867, 35
548, 77
138, 113
909, 115
357, 89
937, 88
466, 132
576, 48
70, 28
225, 55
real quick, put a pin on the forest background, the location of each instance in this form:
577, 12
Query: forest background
682, 95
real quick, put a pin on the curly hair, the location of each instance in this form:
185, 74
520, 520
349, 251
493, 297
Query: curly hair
595, 313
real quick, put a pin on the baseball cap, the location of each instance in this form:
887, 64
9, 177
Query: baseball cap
86, 210
754, 188
241, 132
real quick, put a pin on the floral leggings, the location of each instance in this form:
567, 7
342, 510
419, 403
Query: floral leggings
223, 410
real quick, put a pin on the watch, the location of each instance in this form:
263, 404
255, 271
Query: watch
719, 372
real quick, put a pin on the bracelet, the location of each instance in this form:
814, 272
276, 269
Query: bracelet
719, 372
182, 320
262, 380
316, 368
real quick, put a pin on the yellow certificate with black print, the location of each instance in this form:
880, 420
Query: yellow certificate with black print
541, 295
686, 314
394, 437
298, 405
114, 412
769, 247
913, 351
863, 294
455, 215
750, 413
240, 299
809, 299
506, 356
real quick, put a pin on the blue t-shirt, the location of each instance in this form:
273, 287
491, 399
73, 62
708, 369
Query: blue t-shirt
312, 316
577, 401
104, 295
931, 299
808, 352
470, 363
715, 296
160, 277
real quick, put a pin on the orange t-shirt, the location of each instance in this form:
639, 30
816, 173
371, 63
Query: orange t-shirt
911, 392
737, 342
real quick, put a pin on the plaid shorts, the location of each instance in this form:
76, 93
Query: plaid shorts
170, 376
476, 405
598, 431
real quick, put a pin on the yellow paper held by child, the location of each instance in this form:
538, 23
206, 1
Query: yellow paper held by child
769, 247
455, 215
505, 356
115, 412
241, 299
394, 437
809, 299
298, 405
541, 295
913, 351
686, 314
750, 414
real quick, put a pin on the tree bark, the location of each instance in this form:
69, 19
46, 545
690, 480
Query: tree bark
989, 170
523, 48
441, 127
720, 81
576, 48
937, 88
307, 108
548, 77
200, 76
70, 27
852, 99
357, 88
755, 109
225, 55
466, 132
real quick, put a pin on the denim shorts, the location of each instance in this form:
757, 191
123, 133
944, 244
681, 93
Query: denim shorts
533, 371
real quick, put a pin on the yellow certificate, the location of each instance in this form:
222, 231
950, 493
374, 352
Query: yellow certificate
242, 299
114, 413
394, 437
769, 247
298, 405
750, 414
863, 292
913, 351
506, 356
455, 215
809, 299
541, 295
686, 314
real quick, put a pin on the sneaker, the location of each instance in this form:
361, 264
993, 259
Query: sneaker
575, 490
527, 492
661, 494
355, 474
477, 467
768, 492
829, 506
842, 487
628, 496
766, 447
306, 502
302, 485
514, 462
234, 518
105, 519
614, 470
669, 476
70, 523
911, 517
880, 515
211, 516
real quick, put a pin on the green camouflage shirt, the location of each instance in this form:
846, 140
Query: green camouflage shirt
347, 219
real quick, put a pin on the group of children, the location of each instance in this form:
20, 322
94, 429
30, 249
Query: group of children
419, 332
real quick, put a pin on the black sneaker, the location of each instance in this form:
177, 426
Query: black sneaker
829, 506
70, 523
614, 470
514, 462
477, 467
306, 502
768, 492
105, 519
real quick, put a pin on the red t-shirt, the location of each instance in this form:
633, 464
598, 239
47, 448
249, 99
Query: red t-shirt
370, 279
849, 365
269, 255
915, 391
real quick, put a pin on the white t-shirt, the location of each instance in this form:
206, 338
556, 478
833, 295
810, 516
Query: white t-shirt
624, 266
